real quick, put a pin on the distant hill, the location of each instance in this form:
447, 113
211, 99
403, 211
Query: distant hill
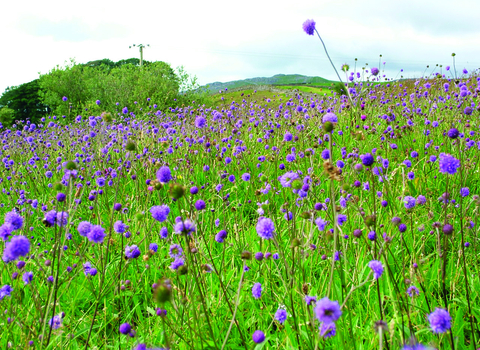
276, 80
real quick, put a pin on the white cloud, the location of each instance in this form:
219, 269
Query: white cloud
221, 41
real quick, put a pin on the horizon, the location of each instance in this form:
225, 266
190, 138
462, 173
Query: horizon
215, 46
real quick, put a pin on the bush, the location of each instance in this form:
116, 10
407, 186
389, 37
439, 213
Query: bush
115, 85
25, 102
7, 116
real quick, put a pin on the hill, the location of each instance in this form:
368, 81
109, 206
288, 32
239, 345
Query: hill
277, 80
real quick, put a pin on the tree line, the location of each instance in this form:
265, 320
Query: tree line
100, 86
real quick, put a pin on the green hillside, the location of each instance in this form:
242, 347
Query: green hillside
277, 80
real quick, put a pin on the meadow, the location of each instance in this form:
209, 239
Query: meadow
258, 222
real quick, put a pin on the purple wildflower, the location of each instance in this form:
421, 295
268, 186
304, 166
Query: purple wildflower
376, 267
160, 212
309, 26
265, 228
257, 290
448, 164
327, 311
439, 320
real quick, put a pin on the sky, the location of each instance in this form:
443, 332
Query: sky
232, 40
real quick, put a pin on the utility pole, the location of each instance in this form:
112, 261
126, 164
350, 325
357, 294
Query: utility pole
141, 47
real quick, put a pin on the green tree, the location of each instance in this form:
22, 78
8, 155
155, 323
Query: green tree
124, 83
7, 116
25, 100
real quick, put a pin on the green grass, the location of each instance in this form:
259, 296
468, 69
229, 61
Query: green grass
214, 286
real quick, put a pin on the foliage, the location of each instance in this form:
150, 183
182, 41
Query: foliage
340, 89
115, 85
357, 204
7, 116
25, 101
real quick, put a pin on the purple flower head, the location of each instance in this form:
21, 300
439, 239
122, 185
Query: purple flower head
175, 251
14, 219
310, 300
177, 263
184, 227
453, 133
259, 256
265, 228
163, 232
257, 290
376, 267
96, 234
325, 154
61, 197
88, 269
375, 71
220, 236
309, 26
200, 122
55, 322
281, 316
330, 117
62, 218
5, 291
464, 191
153, 247
164, 174
100, 181
413, 291
448, 164
287, 179
246, 177
84, 228
6, 231
367, 159
119, 227
17, 247
321, 224
132, 251
328, 330
341, 219
439, 320
199, 204
421, 200
27, 277
327, 311
409, 202
160, 212
414, 345
125, 328
258, 337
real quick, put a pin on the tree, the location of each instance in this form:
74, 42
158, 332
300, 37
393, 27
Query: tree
25, 101
7, 116
84, 84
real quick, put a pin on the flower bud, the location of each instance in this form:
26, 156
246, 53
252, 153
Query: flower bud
130, 146
328, 126
176, 191
71, 165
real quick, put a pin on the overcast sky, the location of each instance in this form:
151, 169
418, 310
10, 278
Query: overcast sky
230, 40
